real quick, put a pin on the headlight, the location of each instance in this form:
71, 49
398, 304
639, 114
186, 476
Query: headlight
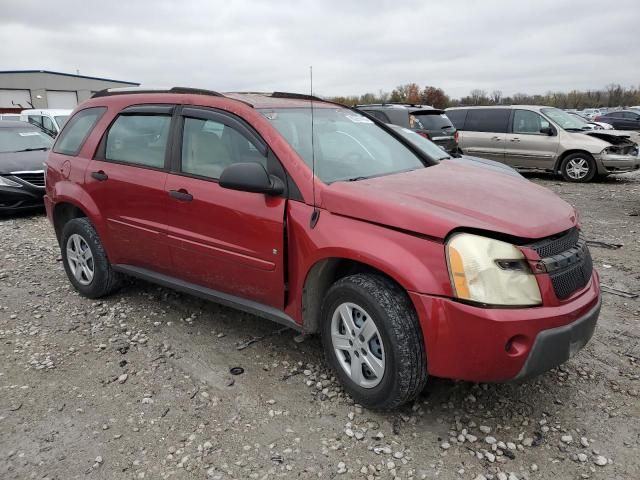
489, 271
5, 182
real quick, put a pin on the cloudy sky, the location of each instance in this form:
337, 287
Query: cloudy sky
530, 46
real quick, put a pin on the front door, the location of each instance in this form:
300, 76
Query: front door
221, 239
126, 180
529, 145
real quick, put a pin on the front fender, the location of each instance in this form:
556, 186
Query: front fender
416, 263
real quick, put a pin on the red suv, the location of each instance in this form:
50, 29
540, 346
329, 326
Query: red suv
322, 218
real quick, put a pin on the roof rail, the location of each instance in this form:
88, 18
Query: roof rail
129, 90
304, 96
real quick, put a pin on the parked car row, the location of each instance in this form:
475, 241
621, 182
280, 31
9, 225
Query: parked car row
406, 261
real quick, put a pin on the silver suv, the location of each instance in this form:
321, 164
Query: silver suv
543, 138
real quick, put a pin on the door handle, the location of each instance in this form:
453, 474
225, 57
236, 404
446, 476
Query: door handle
100, 175
181, 195
515, 139
495, 139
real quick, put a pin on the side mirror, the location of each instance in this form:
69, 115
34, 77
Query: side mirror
546, 131
250, 177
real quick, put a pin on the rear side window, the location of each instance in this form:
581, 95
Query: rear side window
492, 120
457, 117
379, 115
138, 140
208, 147
432, 121
77, 130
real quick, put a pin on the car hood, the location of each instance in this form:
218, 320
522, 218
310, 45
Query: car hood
22, 161
484, 162
614, 137
434, 201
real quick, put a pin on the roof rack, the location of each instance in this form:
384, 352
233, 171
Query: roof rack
128, 90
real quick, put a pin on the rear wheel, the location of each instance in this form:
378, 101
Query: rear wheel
372, 339
578, 167
85, 260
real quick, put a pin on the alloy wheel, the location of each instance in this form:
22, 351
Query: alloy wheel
80, 259
577, 168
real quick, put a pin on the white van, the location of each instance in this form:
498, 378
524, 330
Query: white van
49, 120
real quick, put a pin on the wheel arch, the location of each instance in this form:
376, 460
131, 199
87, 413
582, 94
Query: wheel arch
63, 212
324, 273
566, 153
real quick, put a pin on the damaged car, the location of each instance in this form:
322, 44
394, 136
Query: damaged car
529, 137
311, 214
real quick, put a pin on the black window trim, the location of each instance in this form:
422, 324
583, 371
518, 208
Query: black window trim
242, 127
61, 135
165, 110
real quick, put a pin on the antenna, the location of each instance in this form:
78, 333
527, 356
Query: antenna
315, 215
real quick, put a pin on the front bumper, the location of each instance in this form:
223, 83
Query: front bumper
555, 346
467, 342
14, 199
612, 163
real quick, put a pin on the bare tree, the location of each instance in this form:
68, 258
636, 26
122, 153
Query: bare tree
496, 97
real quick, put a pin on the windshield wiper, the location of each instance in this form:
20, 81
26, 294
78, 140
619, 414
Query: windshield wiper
354, 179
33, 149
573, 129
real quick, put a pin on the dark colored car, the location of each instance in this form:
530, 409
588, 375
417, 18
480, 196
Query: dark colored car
311, 214
621, 119
23, 151
429, 122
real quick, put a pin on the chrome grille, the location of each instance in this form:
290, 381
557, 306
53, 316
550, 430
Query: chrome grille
33, 178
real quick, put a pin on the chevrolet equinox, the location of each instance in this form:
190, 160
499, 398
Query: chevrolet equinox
322, 218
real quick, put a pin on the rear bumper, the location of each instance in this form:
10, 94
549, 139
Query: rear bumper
467, 342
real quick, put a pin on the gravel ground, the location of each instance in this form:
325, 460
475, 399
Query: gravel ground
139, 386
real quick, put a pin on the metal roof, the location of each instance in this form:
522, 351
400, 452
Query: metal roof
68, 75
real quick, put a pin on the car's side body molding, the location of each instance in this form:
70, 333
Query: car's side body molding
222, 298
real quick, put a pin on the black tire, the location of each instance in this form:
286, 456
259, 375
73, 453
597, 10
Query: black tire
105, 280
581, 158
405, 372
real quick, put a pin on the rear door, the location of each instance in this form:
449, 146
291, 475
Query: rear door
226, 240
630, 121
526, 146
485, 131
126, 180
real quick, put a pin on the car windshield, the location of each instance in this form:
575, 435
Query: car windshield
579, 118
427, 146
347, 145
432, 121
61, 120
563, 119
21, 139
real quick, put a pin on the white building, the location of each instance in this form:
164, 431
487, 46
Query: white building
22, 89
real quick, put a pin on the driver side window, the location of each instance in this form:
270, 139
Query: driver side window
528, 122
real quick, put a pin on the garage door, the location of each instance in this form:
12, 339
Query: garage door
58, 99
15, 99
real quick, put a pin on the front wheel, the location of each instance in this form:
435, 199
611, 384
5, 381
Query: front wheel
578, 167
372, 339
